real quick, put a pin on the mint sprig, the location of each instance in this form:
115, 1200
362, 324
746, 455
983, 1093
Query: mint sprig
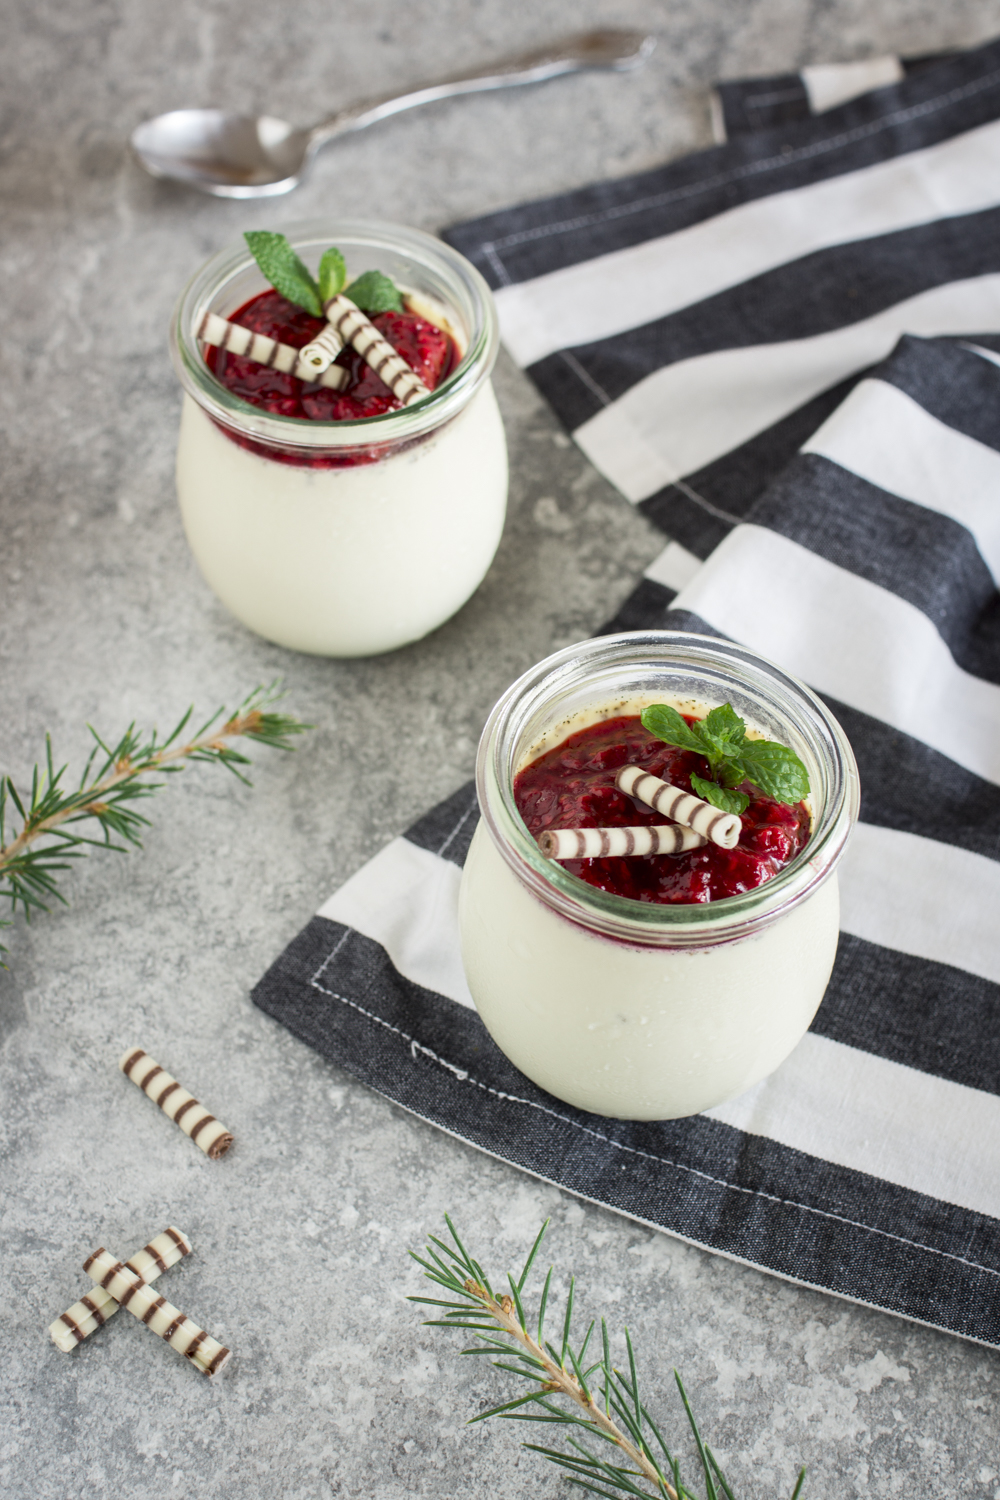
284, 270
332, 274
721, 738
373, 292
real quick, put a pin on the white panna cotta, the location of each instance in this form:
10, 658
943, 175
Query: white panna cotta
632, 1009
637, 1033
345, 537
348, 561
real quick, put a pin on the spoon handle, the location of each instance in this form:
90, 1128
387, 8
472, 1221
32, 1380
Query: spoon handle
619, 50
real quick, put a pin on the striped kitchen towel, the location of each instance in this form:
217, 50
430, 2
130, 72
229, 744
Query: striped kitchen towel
694, 325
868, 1165
756, 103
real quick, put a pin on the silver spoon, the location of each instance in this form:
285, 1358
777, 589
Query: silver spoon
246, 156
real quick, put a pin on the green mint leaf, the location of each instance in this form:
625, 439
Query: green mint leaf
332, 274
724, 726
716, 750
666, 723
375, 293
722, 732
284, 270
775, 769
729, 773
719, 796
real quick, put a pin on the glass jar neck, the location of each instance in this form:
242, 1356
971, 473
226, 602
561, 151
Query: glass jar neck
617, 674
418, 263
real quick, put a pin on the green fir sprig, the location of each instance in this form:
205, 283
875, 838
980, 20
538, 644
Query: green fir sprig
114, 779
604, 1404
721, 737
373, 291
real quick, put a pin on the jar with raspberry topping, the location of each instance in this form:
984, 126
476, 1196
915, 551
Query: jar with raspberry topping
339, 522
662, 989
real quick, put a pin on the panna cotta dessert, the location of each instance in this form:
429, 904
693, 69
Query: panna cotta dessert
649, 909
342, 468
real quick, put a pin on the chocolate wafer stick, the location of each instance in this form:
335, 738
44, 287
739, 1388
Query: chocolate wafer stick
128, 1289
322, 350
266, 351
351, 325
94, 1310
601, 843
181, 1107
721, 827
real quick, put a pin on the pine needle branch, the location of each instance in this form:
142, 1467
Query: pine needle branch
500, 1324
114, 778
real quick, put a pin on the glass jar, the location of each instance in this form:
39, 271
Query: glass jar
355, 537
633, 1010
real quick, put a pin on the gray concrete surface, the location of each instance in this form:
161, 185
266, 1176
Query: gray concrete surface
301, 1234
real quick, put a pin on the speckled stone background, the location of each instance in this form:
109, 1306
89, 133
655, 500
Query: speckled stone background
300, 1234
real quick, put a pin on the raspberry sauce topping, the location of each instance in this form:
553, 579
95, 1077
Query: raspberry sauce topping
427, 349
573, 786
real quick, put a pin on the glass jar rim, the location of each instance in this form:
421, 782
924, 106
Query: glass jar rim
696, 925
469, 295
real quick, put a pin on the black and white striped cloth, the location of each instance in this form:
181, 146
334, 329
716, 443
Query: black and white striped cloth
793, 408
693, 326
756, 103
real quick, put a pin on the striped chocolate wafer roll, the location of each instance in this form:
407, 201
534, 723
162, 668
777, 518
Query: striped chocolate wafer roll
182, 1107
721, 827
92, 1311
351, 324
128, 1289
599, 843
264, 351
322, 351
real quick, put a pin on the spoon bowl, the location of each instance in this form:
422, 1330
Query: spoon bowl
259, 156
232, 156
